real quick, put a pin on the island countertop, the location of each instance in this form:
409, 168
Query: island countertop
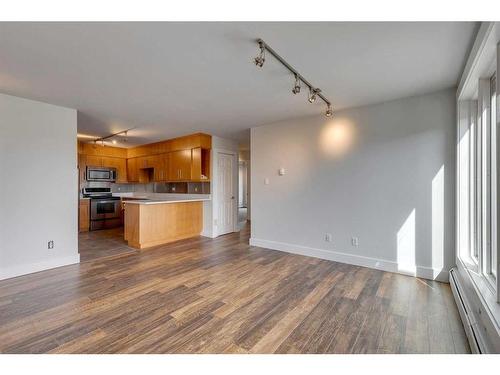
163, 200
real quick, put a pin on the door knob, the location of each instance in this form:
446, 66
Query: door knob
232, 197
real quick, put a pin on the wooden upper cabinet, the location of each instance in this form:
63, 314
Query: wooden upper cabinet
180, 159
82, 167
93, 160
160, 168
132, 172
196, 164
179, 168
119, 164
145, 162
200, 166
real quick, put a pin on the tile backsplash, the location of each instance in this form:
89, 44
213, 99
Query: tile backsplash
163, 187
154, 187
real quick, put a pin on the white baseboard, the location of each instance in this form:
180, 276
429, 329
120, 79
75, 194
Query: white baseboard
24, 269
357, 260
206, 233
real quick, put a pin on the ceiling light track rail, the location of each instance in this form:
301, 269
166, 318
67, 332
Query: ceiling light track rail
102, 139
313, 91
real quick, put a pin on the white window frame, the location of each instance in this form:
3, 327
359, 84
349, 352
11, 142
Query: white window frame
480, 291
474, 101
481, 169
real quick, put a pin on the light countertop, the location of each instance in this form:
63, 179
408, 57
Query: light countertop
164, 200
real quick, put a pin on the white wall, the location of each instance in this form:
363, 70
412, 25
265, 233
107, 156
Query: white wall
38, 186
382, 173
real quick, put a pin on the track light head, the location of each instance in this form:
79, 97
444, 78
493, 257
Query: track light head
259, 60
296, 86
312, 95
329, 111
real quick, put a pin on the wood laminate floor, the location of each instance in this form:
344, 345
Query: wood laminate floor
223, 296
102, 243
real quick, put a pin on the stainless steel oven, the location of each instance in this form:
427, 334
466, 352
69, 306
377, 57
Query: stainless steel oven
105, 210
105, 213
101, 174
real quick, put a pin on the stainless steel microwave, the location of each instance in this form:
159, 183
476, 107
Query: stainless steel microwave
101, 174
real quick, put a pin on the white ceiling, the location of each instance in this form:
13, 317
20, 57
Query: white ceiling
171, 79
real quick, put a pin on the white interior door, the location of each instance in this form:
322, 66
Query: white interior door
226, 194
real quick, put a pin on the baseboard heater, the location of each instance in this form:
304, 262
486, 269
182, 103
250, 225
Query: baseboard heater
468, 319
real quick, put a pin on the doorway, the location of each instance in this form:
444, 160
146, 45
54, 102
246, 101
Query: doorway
226, 194
242, 192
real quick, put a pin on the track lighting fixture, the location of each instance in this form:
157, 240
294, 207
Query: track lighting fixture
329, 111
113, 141
312, 94
313, 91
296, 86
259, 60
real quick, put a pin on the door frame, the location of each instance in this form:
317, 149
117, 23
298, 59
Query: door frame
215, 192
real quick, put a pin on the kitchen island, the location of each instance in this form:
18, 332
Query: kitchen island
154, 222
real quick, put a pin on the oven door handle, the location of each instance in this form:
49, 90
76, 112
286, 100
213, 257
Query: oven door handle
108, 201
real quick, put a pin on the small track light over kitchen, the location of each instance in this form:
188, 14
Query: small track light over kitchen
296, 86
329, 111
314, 92
259, 60
114, 135
312, 95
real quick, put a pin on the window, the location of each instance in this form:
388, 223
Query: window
493, 252
477, 169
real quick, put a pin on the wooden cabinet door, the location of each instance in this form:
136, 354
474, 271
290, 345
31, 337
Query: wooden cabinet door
165, 162
119, 164
196, 164
121, 170
179, 168
93, 160
84, 215
132, 173
141, 162
158, 167
82, 167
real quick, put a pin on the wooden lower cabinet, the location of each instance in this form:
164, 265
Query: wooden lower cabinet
148, 225
84, 215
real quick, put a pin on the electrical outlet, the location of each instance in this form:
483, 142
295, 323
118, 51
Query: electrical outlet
328, 237
50, 244
355, 241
